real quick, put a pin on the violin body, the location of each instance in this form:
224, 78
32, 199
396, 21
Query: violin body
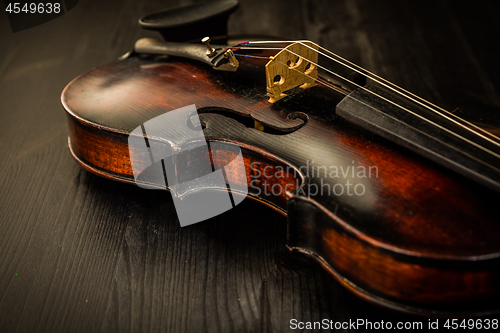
419, 238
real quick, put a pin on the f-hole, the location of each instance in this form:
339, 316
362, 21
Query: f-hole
250, 122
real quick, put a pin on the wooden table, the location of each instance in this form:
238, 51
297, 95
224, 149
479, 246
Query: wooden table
83, 254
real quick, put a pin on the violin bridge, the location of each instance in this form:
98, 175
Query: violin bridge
295, 65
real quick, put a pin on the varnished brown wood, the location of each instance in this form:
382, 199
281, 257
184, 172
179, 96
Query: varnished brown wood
402, 244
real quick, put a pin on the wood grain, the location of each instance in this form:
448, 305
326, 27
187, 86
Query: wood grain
82, 254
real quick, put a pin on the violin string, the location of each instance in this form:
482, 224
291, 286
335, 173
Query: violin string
358, 67
370, 74
331, 86
251, 56
394, 88
386, 99
432, 107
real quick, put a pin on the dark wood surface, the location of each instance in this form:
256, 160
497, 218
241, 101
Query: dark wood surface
81, 253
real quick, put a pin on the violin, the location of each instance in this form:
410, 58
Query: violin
395, 197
